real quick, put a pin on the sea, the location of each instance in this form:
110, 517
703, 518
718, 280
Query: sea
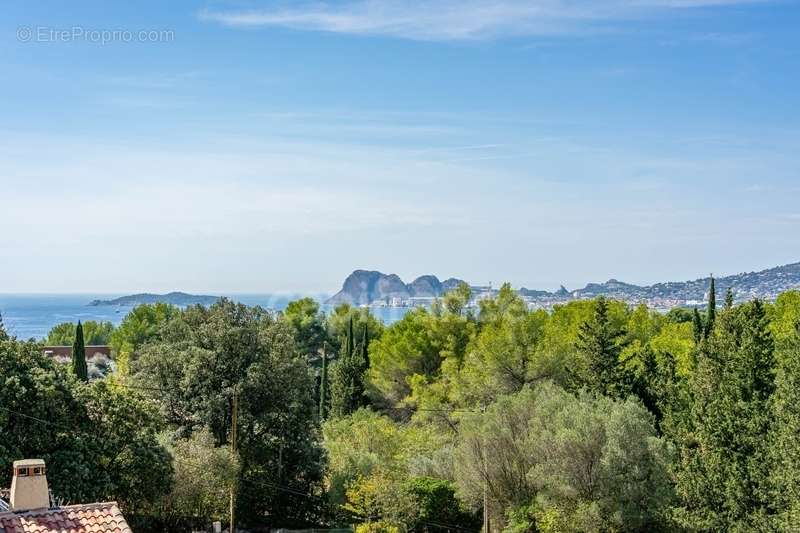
32, 316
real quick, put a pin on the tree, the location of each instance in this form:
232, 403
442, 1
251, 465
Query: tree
723, 477
347, 384
711, 312
697, 326
79, 355
571, 456
323, 384
405, 350
439, 507
784, 453
456, 300
503, 357
599, 344
204, 475
199, 358
3, 332
98, 440
729, 299
371, 450
94, 333
142, 325
338, 323
308, 324
364, 347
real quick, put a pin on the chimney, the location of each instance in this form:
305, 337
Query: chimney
29, 486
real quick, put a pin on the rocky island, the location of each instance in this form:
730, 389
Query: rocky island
365, 287
181, 299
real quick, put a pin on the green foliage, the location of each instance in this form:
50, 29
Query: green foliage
338, 323
784, 316
366, 443
566, 454
347, 377
723, 477
711, 312
143, 324
308, 324
784, 452
600, 344
504, 357
382, 496
3, 332
99, 441
598, 417
204, 475
437, 503
679, 315
323, 386
379, 526
698, 329
406, 349
94, 333
455, 301
200, 357
79, 366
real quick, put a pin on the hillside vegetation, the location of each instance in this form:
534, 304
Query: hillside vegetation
595, 416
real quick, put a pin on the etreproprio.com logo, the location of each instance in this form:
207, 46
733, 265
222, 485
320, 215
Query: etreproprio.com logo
47, 34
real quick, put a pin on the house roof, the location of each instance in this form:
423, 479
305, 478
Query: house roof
89, 518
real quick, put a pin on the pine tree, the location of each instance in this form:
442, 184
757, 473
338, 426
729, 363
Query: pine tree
79, 355
323, 384
724, 475
711, 314
599, 343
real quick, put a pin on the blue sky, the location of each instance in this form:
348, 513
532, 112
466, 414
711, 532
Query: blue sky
276, 146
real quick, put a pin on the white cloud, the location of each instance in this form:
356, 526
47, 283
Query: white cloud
455, 19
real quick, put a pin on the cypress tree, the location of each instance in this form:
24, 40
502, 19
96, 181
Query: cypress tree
3, 334
729, 299
347, 383
599, 342
79, 355
697, 326
350, 338
364, 346
323, 385
724, 478
711, 314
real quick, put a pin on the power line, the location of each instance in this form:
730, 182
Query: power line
276, 486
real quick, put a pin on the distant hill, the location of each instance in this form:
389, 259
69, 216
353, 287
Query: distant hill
180, 299
765, 284
368, 286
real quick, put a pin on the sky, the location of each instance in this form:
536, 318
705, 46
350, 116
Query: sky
247, 146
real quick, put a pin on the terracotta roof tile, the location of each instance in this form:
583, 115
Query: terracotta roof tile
95, 517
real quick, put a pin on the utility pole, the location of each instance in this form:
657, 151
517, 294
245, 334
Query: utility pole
234, 417
485, 474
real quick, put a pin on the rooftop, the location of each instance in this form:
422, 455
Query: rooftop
89, 518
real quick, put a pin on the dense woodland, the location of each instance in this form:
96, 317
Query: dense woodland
594, 417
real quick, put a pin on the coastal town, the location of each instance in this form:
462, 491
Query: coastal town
377, 290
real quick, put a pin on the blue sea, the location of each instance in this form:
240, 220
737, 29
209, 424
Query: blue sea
33, 315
